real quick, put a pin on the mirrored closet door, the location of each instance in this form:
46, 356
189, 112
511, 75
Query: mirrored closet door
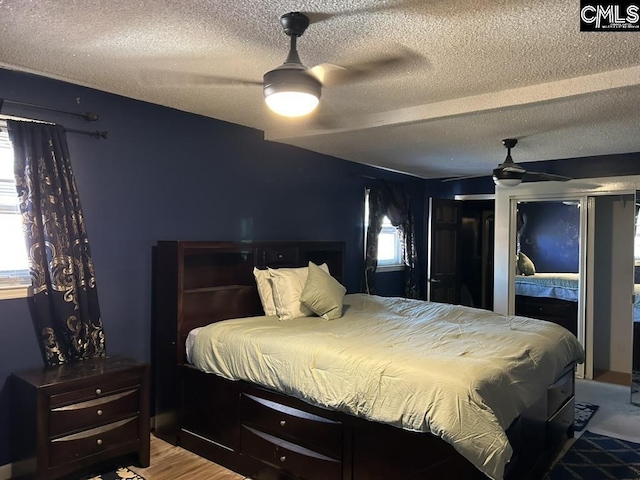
547, 277
635, 366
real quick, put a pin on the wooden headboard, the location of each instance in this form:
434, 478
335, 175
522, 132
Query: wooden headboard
198, 283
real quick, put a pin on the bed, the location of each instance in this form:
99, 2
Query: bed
281, 430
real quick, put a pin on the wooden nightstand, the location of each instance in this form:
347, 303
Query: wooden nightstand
72, 417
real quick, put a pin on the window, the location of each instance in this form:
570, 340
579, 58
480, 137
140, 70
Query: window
14, 266
389, 242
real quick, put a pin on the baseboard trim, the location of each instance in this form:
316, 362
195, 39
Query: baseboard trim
5, 472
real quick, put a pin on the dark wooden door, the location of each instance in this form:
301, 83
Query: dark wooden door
444, 267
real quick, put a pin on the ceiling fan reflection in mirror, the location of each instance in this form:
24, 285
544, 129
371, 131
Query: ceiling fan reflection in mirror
511, 174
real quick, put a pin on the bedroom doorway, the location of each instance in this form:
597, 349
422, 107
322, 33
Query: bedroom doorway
461, 250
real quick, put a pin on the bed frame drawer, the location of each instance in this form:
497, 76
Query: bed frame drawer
559, 393
560, 426
315, 432
289, 457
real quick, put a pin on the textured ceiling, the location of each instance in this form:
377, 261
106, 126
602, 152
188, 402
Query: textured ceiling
476, 71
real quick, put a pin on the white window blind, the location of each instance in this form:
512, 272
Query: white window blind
14, 266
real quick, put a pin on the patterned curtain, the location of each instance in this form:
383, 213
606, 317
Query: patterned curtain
397, 206
373, 230
392, 200
64, 305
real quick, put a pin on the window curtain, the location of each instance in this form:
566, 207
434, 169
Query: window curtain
392, 200
64, 305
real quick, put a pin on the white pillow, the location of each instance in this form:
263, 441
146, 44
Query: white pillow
263, 282
287, 285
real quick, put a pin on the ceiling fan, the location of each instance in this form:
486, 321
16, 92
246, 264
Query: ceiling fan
510, 174
292, 89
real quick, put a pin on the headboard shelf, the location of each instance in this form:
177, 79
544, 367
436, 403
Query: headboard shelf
214, 289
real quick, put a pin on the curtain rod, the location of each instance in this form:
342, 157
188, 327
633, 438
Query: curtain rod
97, 134
88, 116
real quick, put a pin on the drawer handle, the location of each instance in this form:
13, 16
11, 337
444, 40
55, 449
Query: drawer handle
283, 423
98, 391
99, 412
99, 441
283, 458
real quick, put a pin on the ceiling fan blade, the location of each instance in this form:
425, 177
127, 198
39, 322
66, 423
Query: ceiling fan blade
453, 179
544, 177
333, 74
512, 168
172, 79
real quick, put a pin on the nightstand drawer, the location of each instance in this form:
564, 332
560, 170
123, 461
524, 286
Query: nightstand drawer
99, 388
319, 434
288, 456
89, 442
559, 393
94, 412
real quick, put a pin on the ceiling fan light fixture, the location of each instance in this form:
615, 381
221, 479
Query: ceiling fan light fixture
507, 182
290, 91
508, 174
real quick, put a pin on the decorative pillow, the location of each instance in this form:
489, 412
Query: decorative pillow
287, 284
525, 265
265, 291
322, 293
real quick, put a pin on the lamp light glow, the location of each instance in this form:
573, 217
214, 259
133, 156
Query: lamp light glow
291, 103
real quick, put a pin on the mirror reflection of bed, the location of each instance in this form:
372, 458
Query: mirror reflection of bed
547, 267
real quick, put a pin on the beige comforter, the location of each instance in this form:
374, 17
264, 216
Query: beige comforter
460, 373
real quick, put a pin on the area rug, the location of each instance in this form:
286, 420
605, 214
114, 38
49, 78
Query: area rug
117, 474
584, 412
598, 457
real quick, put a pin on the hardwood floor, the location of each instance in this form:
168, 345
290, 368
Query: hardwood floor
610, 376
174, 463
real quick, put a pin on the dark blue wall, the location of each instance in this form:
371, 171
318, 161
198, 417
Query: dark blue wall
165, 174
551, 236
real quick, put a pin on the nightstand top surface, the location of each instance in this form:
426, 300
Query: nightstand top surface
41, 377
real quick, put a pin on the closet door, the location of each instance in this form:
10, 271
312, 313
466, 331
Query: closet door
444, 267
